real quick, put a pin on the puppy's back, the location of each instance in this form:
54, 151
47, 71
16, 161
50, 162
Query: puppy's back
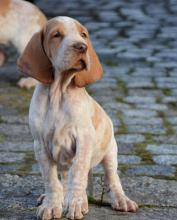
19, 20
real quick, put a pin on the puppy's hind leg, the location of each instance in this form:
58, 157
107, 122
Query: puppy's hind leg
119, 200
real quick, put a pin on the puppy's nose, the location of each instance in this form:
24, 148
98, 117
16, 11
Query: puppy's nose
80, 47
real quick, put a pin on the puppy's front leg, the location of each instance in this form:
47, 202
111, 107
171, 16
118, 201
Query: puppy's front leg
76, 202
51, 207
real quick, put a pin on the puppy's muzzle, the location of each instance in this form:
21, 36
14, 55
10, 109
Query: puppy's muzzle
80, 47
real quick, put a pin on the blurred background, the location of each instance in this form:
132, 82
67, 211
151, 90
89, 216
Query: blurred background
136, 41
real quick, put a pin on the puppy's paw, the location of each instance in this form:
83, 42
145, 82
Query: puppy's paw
27, 83
122, 203
76, 205
51, 208
40, 199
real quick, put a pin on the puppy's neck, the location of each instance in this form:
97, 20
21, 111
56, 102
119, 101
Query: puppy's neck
63, 84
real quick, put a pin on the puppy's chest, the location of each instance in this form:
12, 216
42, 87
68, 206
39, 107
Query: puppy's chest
59, 130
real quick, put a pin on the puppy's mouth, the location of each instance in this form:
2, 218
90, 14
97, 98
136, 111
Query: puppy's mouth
78, 66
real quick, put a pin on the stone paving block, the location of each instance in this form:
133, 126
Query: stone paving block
14, 129
152, 170
8, 168
156, 107
162, 149
11, 157
145, 92
143, 121
130, 138
148, 129
128, 159
137, 84
139, 99
7, 111
125, 148
140, 113
15, 119
139, 188
165, 159
16, 146
145, 191
108, 16
169, 99
135, 14
171, 139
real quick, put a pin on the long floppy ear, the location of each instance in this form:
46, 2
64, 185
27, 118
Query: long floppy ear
94, 73
34, 61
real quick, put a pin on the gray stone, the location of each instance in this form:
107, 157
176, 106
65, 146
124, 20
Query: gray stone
156, 107
139, 99
143, 121
108, 16
35, 169
124, 148
150, 129
140, 113
137, 84
12, 119
8, 168
169, 99
131, 138
165, 139
162, 149
15, 130
11, 157
152, 170
16, 146
165, 159
128, 159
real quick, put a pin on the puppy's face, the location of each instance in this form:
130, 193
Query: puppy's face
63, 46
66, 43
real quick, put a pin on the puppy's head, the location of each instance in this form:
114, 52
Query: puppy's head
62, 46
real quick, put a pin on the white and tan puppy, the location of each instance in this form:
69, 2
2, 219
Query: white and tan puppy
71, 131
19, 20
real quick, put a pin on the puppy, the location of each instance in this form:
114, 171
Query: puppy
19, 20
70, 129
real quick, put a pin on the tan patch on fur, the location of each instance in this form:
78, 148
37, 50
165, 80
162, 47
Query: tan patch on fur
95, 72
4, 7
35, 58
51, 45
96, 117
107, 135
34, 61
96, 120
41, 17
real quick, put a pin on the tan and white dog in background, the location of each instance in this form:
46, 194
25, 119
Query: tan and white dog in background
19, 20
71, 131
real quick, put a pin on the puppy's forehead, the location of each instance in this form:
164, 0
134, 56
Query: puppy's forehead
68, 25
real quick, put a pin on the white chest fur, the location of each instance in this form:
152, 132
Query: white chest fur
55, 120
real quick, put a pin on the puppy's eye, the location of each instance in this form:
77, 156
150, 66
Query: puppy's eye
83, 35
57, 34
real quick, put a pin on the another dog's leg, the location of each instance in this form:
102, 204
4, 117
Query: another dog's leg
51, 206
27, 82
119, 200
3, 57
76, 201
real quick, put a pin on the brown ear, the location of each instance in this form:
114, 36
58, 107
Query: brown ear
95, 72
34, 61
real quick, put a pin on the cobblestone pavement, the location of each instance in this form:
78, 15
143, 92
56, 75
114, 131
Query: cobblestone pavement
137, 43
